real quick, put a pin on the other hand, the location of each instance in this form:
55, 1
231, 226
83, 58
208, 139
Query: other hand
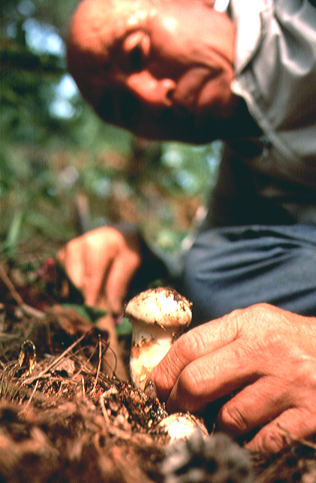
102, 263
265, 356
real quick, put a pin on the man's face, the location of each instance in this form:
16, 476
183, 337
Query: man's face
160, 69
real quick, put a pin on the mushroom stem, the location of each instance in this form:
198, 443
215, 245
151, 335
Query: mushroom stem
149, 346
158, 317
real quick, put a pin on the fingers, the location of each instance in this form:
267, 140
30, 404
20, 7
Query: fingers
281, 406
212, 377
70, 256
101, 264
293, 424
264, 355
191, 348
254, 406
227, 364
87, 263
122, 272
93, 279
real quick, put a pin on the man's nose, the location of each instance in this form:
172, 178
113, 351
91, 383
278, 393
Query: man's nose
156, 92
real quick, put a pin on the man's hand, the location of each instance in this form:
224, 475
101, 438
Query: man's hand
265, 356
102, 264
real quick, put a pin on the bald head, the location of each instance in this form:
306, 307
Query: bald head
159, 68
93, 29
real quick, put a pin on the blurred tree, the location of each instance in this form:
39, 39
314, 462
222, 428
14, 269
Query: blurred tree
32, 56
54, 148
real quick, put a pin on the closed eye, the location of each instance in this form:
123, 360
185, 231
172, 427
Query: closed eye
136, 50
136, 58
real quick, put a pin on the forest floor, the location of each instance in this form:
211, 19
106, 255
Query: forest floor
65, 415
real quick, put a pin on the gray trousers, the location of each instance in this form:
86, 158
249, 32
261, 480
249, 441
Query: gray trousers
235, 267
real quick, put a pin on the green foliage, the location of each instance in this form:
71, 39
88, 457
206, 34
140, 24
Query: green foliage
54, 149
88, 312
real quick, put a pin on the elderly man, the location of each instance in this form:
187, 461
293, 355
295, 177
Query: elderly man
179, 69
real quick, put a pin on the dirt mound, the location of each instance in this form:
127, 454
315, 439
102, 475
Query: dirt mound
66, 416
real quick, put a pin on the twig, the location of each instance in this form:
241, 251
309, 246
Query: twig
84, 365
291, 439
17, 297
83, 386
114, 355
26, 309
54, 363
31, 397
32, 312
99, 366
105, 414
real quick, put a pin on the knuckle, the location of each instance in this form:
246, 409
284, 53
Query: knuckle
261, 310
302, 378
306, 372
106, 235
181, 348
232, 419
189, 382
190, 345
270, 440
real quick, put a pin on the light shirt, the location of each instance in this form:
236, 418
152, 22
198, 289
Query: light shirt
275, 66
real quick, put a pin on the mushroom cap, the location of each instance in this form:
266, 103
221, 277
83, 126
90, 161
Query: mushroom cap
162, 306
182, 426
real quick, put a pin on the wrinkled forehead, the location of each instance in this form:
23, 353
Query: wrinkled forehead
97, 24
95, 28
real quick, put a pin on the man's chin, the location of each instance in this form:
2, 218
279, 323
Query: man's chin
191, 137
185, 131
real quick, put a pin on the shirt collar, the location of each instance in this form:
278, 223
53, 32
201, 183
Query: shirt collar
246, 16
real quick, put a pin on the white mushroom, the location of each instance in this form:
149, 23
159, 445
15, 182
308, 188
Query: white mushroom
158, 316
182, 426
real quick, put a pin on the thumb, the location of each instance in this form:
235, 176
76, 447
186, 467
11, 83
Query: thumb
122, 272
191, 346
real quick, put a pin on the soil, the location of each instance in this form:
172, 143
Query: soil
66, 416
